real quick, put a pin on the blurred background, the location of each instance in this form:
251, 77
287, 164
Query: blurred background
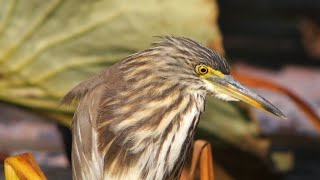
47, 47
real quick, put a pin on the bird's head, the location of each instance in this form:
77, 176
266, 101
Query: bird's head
178, 60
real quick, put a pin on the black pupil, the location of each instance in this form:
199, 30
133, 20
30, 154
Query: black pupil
203, 70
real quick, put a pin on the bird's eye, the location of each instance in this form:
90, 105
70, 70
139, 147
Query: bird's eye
201, 69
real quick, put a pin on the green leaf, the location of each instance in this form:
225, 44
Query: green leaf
47, 47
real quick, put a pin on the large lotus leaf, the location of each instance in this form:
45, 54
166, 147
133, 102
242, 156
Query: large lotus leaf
47, 47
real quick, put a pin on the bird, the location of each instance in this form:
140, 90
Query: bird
136, 119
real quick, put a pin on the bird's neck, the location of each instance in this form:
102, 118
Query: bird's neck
154, 147
176, 143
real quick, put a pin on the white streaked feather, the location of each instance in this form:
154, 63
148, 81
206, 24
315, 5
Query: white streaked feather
182, 134
172, 144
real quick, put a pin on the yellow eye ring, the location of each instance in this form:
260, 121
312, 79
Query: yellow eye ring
202, 69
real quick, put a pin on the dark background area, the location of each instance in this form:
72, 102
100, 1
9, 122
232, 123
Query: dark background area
267, 32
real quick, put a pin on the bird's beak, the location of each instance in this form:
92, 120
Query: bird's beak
227, 85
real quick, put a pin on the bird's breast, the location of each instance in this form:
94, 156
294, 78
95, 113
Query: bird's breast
159, 153
177, 144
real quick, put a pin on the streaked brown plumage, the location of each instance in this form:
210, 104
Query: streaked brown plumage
136, 119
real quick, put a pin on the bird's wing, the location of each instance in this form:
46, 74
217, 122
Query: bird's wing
87, 162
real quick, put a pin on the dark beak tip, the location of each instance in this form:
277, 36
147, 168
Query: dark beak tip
281, 115
275, 111
278, 113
